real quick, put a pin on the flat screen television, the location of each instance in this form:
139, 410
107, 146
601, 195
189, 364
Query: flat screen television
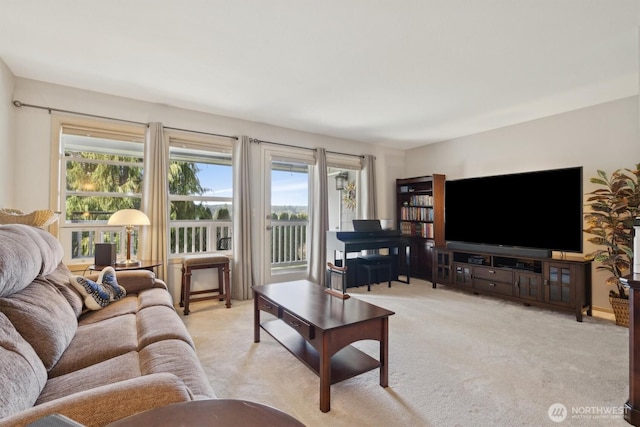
539, 210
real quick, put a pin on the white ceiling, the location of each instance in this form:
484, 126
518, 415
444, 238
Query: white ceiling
402, 73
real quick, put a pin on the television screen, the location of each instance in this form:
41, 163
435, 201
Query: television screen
541, 210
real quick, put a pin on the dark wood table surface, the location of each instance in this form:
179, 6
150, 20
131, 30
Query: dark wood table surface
318, 329
211, 412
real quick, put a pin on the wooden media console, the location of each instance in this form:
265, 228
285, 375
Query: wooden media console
555, 283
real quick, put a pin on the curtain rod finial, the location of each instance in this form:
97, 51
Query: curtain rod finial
17, 103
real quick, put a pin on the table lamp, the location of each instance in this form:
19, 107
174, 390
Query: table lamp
129, 218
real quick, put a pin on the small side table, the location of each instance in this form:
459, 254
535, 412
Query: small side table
204, 261
144, 265
218, 412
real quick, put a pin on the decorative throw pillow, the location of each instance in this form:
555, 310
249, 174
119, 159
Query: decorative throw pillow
99, 294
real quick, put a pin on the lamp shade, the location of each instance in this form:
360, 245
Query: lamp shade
129, 217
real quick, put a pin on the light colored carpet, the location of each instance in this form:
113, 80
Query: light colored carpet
455, 359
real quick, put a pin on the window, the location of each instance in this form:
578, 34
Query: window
289, 214
200, 193
285, 192
100, 171
343, 172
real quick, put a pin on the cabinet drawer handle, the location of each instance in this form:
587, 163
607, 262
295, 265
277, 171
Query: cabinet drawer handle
294, 324
492, 284
492, 272
268, 306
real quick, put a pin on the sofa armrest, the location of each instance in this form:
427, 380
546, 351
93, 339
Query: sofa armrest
106, 404
135, 281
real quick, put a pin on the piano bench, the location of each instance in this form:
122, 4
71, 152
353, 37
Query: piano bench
374, 264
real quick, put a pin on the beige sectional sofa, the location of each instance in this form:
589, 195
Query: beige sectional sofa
93, 366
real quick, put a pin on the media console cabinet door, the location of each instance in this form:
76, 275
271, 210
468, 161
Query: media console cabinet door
560, 283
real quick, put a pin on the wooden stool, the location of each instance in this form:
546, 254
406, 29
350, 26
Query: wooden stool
197, 262
374, 264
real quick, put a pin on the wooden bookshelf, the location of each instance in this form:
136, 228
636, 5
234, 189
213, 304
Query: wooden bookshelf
420, 217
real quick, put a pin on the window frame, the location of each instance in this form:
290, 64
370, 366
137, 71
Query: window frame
352, 164
201, 236
102, 232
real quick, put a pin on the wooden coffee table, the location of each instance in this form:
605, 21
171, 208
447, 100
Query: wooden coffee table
318, 329
211, 412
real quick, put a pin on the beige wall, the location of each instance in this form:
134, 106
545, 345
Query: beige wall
6, 137
32, 157
604, 136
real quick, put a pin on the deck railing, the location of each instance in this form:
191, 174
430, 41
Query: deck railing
188, 237
288, 243
288, 239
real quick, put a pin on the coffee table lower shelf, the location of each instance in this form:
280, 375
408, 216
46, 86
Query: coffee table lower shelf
346, 363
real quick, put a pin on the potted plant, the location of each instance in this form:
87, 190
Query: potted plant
614, 206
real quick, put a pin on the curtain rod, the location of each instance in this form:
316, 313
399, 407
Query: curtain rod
50, 109
202, 133
259, 141
58, 110
19, 104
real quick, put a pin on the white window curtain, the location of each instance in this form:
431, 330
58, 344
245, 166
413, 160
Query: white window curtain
242, 263
367, 200
155, 198
319, 220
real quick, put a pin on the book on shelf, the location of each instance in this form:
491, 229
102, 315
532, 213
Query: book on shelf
421, 200
417, 229
414, 213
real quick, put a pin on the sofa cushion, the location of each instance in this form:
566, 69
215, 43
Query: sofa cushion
158, 323
155, 296
60, 278
100, 293
20, 258
22, 374
127, 305
26, 252
104, 405
97, 342
176, 357
110, 371
130, 304
50, 248
135, 281
43, 317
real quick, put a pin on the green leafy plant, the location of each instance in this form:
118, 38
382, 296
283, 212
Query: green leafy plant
223, 213
614, 205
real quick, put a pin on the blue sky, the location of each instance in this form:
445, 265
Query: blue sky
288, 188
218, 179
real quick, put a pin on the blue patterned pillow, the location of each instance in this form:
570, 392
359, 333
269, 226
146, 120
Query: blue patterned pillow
99, 294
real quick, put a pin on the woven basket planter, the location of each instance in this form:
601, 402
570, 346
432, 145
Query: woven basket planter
621, 310
39, 218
